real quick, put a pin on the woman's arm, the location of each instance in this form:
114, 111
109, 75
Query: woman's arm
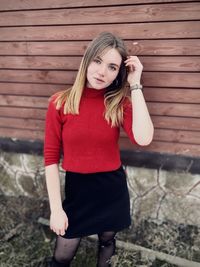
52, 147
142, 126
58, 218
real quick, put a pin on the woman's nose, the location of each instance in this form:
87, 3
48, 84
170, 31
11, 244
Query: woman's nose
102, 70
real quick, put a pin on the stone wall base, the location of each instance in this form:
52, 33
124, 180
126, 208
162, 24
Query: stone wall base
157, 195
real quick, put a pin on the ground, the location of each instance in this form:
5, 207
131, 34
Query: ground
27, 243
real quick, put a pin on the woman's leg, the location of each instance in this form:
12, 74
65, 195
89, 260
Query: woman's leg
106, 248
65, 250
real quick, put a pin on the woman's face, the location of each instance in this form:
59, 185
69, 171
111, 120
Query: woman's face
103, 70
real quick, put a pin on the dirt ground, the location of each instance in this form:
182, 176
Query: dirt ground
26, 243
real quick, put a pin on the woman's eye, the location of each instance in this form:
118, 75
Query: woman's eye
113, 68
97, 61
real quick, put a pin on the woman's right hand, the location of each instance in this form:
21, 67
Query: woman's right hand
58, 222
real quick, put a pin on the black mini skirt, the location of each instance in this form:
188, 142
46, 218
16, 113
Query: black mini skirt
96, 202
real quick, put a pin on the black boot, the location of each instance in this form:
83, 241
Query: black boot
53, 263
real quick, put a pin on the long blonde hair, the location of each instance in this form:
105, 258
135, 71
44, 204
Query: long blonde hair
115, 92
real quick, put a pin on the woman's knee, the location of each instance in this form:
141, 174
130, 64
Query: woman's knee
107, 239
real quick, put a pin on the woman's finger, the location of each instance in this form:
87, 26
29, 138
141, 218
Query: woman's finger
62, 232
132, 58
57, 231
66, 225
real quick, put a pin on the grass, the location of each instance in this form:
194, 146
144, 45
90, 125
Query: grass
24, 242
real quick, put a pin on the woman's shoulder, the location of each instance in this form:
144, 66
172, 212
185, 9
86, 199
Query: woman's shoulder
55, 96
52, 102
52, 109
55, 99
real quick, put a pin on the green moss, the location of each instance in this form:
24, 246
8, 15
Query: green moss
27, 184
7, 182
13, 159
34, 163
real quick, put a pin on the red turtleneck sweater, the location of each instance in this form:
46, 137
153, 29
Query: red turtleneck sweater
88, 142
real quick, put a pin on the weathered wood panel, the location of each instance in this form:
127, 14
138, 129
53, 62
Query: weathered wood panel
168, 147
41, 62
169, 135
22, 134
171, 79
150, 63
178, 123
29, 89
29, 4
163, 122
168, 79
174, 109
183, 29
172, 95
42, 42
117, 14
161, 109
23, 101
17, 123
21, 112
186, 47
161, 94
176, 136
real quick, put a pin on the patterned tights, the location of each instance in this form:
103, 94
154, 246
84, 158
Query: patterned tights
66, 249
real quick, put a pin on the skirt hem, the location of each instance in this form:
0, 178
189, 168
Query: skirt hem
95, 233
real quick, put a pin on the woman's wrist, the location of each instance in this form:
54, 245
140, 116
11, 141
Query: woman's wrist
136, 87
56, 208
135, 82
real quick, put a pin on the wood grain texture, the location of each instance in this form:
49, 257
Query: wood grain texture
178, 30
40, 62
42, 42
176, 123
163, 147
100, 15
166, 79
175, 136
171, 79
37, 76
37, 4
13, 108
186, 47
24, 134
30, 89
150, 63
23, 101
21, 112
26, 124
174, 109
172, 95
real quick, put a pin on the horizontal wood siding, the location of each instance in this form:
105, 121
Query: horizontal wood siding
42, 42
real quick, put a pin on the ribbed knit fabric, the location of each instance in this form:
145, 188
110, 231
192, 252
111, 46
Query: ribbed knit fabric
87, 141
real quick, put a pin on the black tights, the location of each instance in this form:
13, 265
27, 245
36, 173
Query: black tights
66, 249
106, 248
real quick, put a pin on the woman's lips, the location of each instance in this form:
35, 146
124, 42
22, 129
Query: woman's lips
99, 80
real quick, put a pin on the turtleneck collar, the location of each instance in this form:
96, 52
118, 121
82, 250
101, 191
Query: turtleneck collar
91, 92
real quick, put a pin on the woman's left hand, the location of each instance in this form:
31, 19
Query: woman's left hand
134, 69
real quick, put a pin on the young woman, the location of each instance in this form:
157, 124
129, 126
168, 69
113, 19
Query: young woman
84, 122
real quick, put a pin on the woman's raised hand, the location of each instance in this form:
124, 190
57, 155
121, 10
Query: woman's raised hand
134, 69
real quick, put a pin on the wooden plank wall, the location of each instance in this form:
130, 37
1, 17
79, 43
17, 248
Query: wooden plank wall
41, 44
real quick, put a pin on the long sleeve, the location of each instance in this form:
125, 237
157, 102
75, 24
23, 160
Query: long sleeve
87, 140
53, 135
127, 121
